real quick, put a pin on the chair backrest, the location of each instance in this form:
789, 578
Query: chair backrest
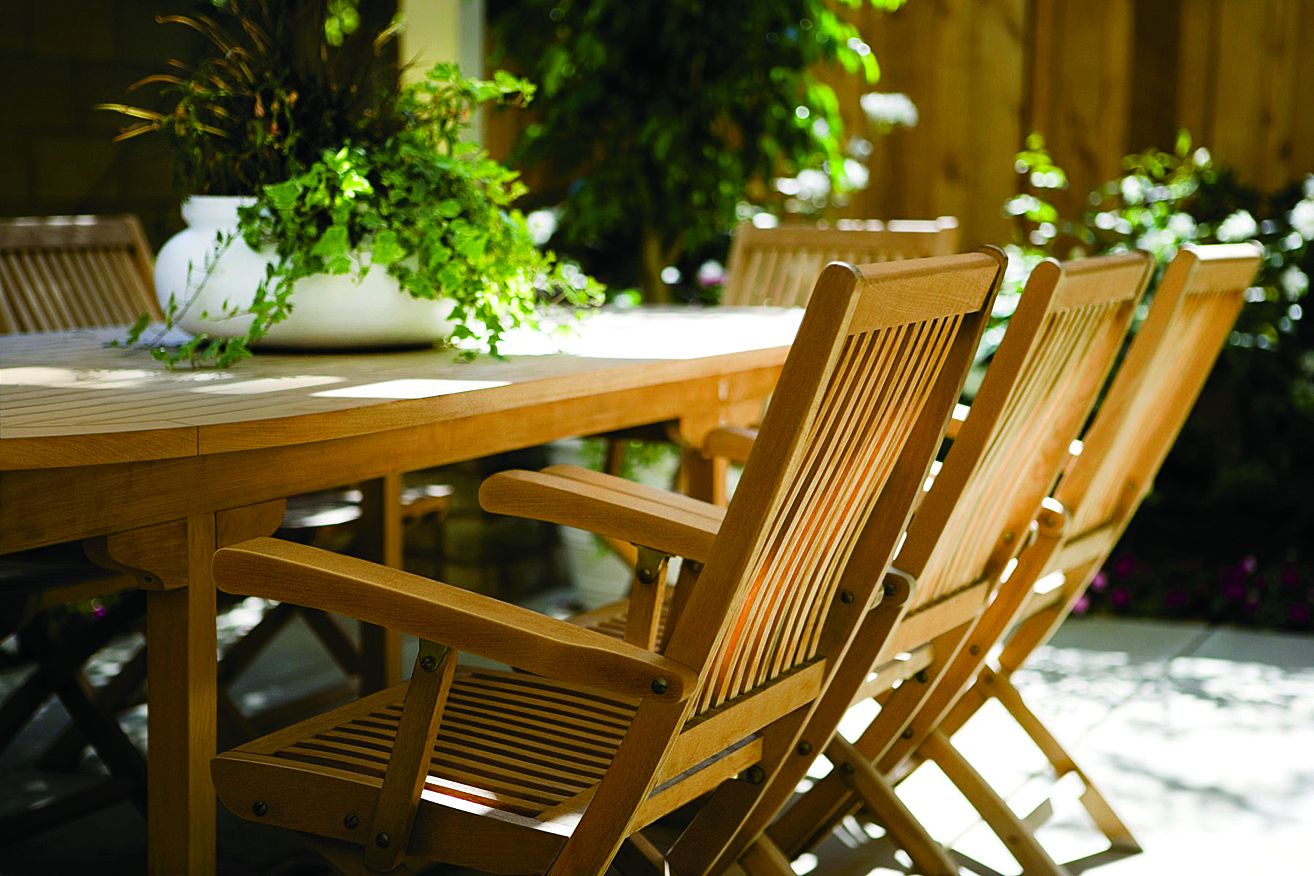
858, 413
1190, 318
1037, 393
778, 266
68, 272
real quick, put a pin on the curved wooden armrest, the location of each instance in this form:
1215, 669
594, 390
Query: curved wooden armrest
607, 505
731, 442
303, 575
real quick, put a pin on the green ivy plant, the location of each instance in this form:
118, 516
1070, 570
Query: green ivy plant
669, 117
391, 188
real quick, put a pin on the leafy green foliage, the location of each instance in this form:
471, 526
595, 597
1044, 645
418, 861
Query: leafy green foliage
272, 95
1234, 485
669, 115
351, 172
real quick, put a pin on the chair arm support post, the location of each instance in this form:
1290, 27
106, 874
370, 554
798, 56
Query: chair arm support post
438, 612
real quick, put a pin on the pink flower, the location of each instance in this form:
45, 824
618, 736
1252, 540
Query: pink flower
1249, 565
1298, 613
1082, 605
1120, 597
1099, 582
1124, 566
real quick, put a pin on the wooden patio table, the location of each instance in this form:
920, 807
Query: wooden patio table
153, 469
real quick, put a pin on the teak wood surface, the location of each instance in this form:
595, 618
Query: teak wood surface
156, 468
606, 736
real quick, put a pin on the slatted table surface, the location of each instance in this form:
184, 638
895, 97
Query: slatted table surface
66, 398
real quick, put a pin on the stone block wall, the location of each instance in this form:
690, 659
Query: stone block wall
58, 59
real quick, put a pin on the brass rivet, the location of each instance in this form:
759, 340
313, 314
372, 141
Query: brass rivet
351, 822
382, 840
1008, 537
907, 734
846, 769
428, 663
974, 650
888, 590
804, 747
922, 677
754, 775
260, 808
847, 597
647, 575
660, 686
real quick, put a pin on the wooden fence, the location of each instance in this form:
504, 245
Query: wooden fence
1099, 78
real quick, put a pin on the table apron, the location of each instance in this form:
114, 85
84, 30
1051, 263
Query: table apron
47, 506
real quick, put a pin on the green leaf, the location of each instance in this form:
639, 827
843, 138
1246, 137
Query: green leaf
284, 195
386, 249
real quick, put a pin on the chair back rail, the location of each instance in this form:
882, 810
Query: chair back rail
779, 266
69, 272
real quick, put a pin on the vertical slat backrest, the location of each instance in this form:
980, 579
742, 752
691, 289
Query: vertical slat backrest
67, 272
1190, 318
778, 266
1057, 353
882, 351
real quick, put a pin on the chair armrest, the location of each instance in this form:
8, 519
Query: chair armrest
731, 442
607, 505
303, 575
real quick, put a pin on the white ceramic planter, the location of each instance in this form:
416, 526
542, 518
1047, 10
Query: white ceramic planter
328, 311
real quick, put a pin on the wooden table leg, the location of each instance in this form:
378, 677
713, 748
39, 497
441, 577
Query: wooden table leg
181, 718
380, 541
172, 563
700, 477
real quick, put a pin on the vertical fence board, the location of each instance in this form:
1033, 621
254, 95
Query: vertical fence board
1098, 79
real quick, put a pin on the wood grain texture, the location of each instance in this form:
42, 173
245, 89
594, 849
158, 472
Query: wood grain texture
69, 272
840, 459
303, 575
59, 392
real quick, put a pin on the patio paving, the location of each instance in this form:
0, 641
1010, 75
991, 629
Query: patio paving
1203, 737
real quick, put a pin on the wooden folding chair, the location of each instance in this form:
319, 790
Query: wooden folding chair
1145, 406
550, 772
975, 518
778, 266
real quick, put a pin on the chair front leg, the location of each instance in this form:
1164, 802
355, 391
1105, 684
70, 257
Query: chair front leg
399, 799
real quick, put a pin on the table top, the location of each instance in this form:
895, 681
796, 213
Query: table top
68, 399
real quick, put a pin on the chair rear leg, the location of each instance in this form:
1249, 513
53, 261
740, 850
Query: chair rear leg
928, 856
1011, 830
1096, 804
